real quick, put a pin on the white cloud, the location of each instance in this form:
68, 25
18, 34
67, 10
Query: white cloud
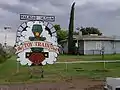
12, 2
103, 14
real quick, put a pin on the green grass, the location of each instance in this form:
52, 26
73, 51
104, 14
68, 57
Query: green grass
88, 57
56, 72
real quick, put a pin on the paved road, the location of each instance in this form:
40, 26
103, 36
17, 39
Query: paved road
97, 61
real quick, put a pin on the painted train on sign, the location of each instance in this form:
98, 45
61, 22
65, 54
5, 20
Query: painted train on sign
36, 43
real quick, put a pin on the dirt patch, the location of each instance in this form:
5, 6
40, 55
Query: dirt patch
68, 84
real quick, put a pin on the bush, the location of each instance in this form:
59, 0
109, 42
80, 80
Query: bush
3, 55
2, 59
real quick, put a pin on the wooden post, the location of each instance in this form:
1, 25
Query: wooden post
42, 72
30, 71
18, 67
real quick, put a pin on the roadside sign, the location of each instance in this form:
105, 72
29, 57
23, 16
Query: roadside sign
29, 17
35, 44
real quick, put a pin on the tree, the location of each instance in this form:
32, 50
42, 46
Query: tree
75, 33
71, 28
57, 27
61, 34
90, 30
3, 55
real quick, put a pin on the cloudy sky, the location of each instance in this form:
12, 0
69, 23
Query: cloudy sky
103, 14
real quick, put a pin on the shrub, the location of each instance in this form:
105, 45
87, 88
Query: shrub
3, 54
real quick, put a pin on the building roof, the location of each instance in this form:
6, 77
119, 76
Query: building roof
92, 37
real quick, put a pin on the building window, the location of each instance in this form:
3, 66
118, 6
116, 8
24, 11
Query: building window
98, 45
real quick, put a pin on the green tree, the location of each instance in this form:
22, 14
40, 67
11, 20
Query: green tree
57, 27
71, 28
90, 30
75, 33
61, 34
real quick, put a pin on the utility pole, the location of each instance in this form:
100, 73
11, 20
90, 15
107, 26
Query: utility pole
103, 50
6, 28
78, 38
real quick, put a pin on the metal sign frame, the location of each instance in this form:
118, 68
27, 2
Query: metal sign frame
47, 18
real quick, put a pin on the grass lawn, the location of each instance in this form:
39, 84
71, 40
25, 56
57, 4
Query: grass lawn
56, 72
88, 57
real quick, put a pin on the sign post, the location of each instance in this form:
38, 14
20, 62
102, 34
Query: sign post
36, 41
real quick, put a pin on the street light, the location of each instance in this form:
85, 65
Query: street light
5, 28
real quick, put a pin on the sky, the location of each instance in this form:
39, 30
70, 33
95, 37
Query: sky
102, 14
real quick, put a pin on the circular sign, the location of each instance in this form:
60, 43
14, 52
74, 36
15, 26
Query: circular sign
36, 43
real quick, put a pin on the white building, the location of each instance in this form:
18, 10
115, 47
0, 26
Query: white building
94, 44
